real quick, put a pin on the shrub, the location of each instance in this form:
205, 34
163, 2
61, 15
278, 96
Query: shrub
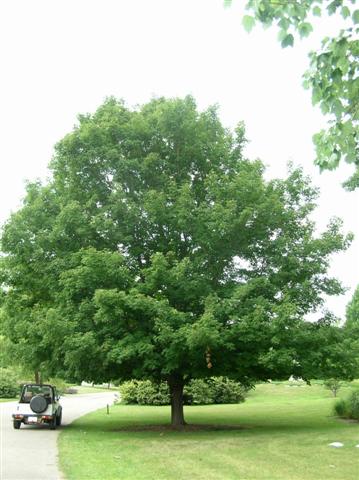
214, 390
226, 390
9, 387
162, 395
128, 391
349, 407
144, 392
354, 405
198, 392
340, 408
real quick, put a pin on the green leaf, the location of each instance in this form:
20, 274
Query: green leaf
332, 7
345, 12
317, 11
324, 108
343, 64
248, 22
281, 35
306, 84
337, 76
288, 41
227, 3
305, 29
284, 23
337, 108
355, 16
334, 160
350, 157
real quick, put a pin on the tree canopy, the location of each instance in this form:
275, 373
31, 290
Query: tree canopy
352, 312
158, 251
352, 327
333, 75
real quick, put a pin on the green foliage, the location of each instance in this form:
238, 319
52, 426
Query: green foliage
226, 390
5, 351
248, 22
332, 76
351, 328
197, 392
352, 312
157, 251
152, 394
287, 41
349, 407
9, 386
144, 392
215, 390
340, 408
59, 383
354, 405
128, 391
333, 384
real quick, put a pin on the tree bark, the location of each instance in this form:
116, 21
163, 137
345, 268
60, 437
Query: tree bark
37, 376
176, 385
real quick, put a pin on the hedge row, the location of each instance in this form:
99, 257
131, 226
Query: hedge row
196, 392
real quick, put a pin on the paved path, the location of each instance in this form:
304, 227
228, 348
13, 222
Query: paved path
31, 452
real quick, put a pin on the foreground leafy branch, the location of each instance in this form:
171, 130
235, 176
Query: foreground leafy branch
332, 76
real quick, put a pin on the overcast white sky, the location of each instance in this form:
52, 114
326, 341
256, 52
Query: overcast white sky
63, 57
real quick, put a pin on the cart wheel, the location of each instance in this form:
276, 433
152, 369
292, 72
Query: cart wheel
17, 424
53, 424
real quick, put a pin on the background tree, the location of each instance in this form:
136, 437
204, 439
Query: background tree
333, 73
334, 385
352, 326
352, 312
158, 252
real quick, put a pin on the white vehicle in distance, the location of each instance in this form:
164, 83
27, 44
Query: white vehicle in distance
38, 405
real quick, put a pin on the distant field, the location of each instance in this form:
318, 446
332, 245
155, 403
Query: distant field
7, 399
280, 432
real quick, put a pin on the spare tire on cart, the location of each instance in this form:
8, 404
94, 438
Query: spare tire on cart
38, 404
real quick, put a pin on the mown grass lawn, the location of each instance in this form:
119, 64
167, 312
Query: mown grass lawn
280, 432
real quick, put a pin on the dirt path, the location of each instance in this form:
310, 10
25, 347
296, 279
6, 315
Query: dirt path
31, 452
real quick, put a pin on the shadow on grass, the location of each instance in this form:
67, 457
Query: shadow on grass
248, 428
182, 428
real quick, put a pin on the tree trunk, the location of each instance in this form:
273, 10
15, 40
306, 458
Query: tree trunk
37, 376
176, 392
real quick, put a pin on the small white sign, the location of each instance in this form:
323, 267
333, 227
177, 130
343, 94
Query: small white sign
336, 444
